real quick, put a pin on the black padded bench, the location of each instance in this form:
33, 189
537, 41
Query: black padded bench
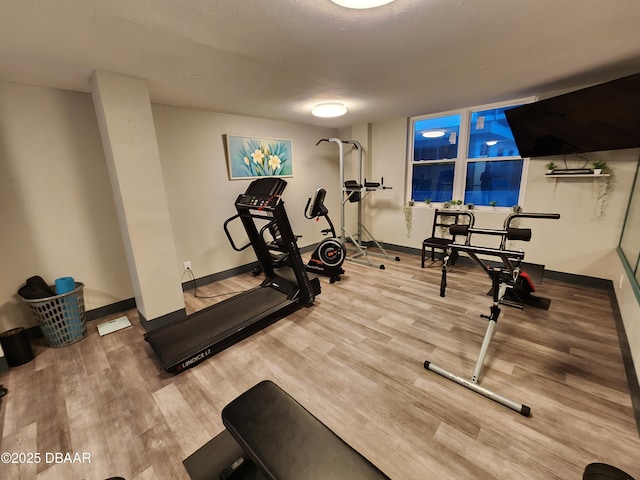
271, 436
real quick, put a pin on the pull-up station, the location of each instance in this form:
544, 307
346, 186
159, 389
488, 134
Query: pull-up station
355, 191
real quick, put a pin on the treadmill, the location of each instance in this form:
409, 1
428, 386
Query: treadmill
285, 289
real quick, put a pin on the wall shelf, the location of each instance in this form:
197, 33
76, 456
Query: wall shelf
578, 175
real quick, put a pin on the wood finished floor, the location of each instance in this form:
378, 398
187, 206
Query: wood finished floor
355, 360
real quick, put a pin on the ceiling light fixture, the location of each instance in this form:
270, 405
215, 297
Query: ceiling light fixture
433, 134
329, 110
491, 143
361, 4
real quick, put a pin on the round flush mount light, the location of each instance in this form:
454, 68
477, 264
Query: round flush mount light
433, 134
329, 110
361, 4
491, 143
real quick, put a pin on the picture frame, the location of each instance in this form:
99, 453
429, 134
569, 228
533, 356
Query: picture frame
255, 157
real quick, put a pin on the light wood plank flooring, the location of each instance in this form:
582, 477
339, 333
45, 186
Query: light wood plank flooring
355, 360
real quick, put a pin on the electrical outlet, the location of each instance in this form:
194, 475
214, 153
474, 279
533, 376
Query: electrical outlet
187, 266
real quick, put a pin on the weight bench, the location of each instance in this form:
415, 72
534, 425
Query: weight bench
271, 436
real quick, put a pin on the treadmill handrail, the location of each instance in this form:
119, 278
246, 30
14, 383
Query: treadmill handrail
226, 230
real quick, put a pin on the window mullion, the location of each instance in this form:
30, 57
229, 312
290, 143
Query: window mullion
461, 162
523, 177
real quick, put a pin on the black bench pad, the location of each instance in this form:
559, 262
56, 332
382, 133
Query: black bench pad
286, 442
215, 457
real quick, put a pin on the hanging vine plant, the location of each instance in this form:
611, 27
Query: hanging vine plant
408, 217
601, 194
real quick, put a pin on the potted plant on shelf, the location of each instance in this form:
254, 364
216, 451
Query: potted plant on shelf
427, 201
493, 204
550, 167
598, 167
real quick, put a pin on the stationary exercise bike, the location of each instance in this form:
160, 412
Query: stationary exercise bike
327, 257
330, 253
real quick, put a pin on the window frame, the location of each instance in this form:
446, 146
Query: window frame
462, 159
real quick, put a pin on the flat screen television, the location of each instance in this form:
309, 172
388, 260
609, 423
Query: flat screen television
598, 118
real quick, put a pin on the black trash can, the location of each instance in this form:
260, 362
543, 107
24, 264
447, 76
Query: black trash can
16, 346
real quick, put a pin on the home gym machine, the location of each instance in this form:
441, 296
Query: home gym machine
522, 287
330, 253
503, 279
355, 191
190, 340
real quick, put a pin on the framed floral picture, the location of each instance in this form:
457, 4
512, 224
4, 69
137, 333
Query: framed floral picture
252, 157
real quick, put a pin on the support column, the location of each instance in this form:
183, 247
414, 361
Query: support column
125, 120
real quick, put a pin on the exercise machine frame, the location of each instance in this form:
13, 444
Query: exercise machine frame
354, 192
516, 296
196, 337
329, 255
499, 288
502, 280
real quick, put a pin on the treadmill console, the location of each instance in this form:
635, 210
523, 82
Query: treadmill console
259, 202
262, 194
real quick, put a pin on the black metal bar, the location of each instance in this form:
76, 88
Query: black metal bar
549, 216
496, 252
230, 238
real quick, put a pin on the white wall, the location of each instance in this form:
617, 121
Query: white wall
582, 242
201, 195
58, 216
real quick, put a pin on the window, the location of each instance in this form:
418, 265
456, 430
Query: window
435, 150
468, 155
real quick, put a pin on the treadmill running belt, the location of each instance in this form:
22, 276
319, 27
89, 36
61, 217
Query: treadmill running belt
218, 326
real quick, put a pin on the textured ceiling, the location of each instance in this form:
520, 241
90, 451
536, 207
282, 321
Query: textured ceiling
277, 58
